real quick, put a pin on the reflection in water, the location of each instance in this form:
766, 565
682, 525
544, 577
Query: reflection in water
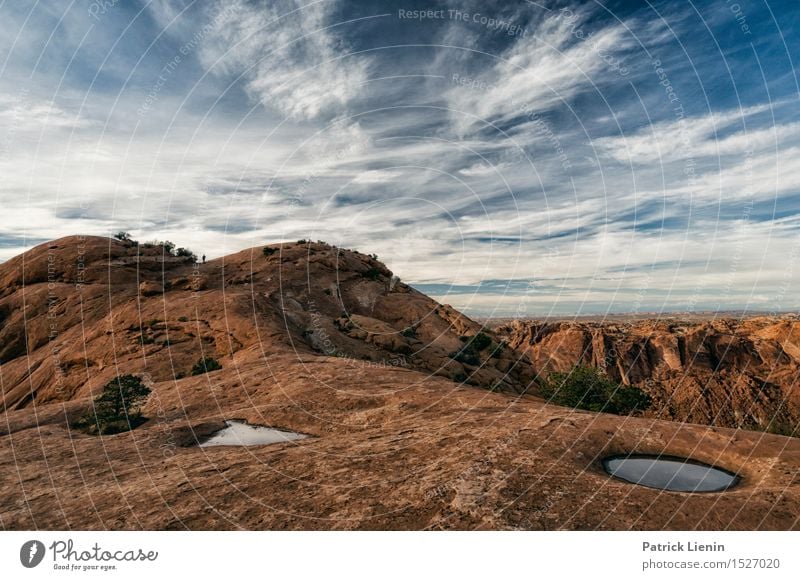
240, 433
670, 473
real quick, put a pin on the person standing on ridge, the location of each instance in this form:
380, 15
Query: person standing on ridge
204, 258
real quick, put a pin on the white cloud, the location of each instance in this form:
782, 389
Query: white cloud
546, 68
695, 137
289, 55
377, 176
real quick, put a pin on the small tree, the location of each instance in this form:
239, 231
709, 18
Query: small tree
186, 253
205, 365
118, 407
372, 274
122, 236
586, 388
267, 251
480, 341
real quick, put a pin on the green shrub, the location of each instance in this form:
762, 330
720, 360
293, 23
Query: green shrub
498, 349
183, 319
372, 274
118, 408
480, 341
267, 251
783, 426
205, 365
123, 237
466, 356
587, 388
186, 253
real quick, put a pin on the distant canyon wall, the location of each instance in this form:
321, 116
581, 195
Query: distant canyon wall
725, 372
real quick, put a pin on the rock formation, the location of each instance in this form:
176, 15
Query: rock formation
727, 372
384, 380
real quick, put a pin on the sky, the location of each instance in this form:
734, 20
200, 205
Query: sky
508, 158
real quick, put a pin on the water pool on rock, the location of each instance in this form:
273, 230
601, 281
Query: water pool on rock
669, 473
240, 433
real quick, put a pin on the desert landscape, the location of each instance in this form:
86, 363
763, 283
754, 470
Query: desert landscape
408, 415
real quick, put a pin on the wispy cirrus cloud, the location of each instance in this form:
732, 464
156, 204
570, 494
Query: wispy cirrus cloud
290, 55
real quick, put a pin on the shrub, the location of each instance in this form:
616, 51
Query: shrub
480, 341
372, 274
183, 319
466, 356
783, 427
118, 408
205, 365
497, 351
186, 253
586, 388
302, 242
267, 251
123, 236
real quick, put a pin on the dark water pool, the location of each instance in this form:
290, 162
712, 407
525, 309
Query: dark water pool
669, 473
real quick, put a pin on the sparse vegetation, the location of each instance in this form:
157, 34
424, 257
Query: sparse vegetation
466, 355
267, 251
205, 365
480, 341
498, 349
123, 236
303, 242
782, 427
372, 274
170, 249
183, 319
117, 409
185, 253
587, 388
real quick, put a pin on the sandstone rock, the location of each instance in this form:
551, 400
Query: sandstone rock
150, 288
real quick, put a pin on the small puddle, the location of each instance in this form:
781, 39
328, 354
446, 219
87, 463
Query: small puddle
241, 433
669, 473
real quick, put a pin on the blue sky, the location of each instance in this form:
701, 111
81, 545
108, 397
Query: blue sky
508, 158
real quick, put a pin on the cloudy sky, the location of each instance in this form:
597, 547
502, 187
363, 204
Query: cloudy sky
508, 158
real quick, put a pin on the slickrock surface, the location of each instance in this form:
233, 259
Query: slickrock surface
329, 343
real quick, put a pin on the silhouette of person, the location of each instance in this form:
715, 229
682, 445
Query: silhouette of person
204, 258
